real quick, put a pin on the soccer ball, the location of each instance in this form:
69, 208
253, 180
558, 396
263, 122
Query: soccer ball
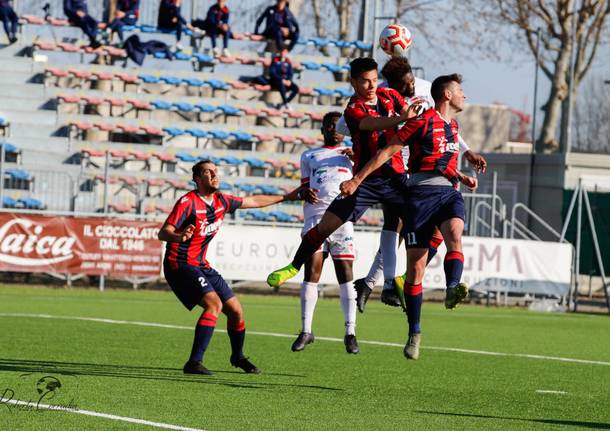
395, 40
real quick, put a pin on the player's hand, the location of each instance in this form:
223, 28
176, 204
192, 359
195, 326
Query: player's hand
80, 13
119, 14
349, 187
477, 161
294, 195
412, 110
309, 195
187, 233
471, 182
349, 153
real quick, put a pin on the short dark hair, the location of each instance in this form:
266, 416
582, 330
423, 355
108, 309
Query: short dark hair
198, 167
361, 65
440, 84
329, 116
395, 70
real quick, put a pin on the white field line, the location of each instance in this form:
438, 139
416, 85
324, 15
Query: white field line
332, 339
544, 391
35, 406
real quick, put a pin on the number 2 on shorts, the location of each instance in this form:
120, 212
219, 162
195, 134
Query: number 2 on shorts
202, 281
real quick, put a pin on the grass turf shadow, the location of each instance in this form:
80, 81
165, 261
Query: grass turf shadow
565, 422
144, 373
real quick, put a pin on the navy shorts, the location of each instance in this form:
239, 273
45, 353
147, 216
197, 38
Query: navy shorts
189, 283
388, 191
426, 207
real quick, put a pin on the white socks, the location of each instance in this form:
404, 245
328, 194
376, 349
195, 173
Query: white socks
389, 247
309, 297
376, 271
347, 297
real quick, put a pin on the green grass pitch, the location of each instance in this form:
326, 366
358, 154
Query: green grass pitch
128, 370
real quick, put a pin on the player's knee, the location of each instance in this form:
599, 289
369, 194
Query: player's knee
212, 304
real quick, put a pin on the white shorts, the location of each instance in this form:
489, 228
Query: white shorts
340, 244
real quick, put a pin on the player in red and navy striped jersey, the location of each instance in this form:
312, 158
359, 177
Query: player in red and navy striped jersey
432, 200
372, 116
188, 230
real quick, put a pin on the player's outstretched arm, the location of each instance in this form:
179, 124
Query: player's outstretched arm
382, 123
260, 201
477, 161
349, 187
169, 233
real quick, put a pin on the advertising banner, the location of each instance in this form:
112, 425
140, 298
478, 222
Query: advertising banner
93, 246
121, 248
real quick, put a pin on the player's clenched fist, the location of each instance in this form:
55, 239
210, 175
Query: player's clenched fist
187, 233
348, 187
470, 182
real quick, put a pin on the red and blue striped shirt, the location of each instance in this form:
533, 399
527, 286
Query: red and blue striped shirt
207, 218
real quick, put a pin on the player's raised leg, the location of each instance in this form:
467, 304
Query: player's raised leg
310, 242
454, 262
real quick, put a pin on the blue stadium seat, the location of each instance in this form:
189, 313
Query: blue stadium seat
197, 133
229, 110
182, 106
181, 56
242, 136
186, 157
9, 202
217, 84
9, 148
310, 65
231, 160
148, 29
225, 187
363, 45
18, 174
160, 54
269, 190
324, 91
161, 104
254, 163
343, 44
344, 92
248, 188
3, 121
171, 80
331, 67
281, 216
204, 107
319, 42
204, 58
174, 131
194, 82
30, 203
149, 79
219, 134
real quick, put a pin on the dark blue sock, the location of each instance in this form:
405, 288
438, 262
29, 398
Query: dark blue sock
237, 336
435, 242
454, 265
203, 334
413, 299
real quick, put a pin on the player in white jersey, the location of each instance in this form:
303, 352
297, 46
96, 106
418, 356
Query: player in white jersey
399, 76
322, 170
